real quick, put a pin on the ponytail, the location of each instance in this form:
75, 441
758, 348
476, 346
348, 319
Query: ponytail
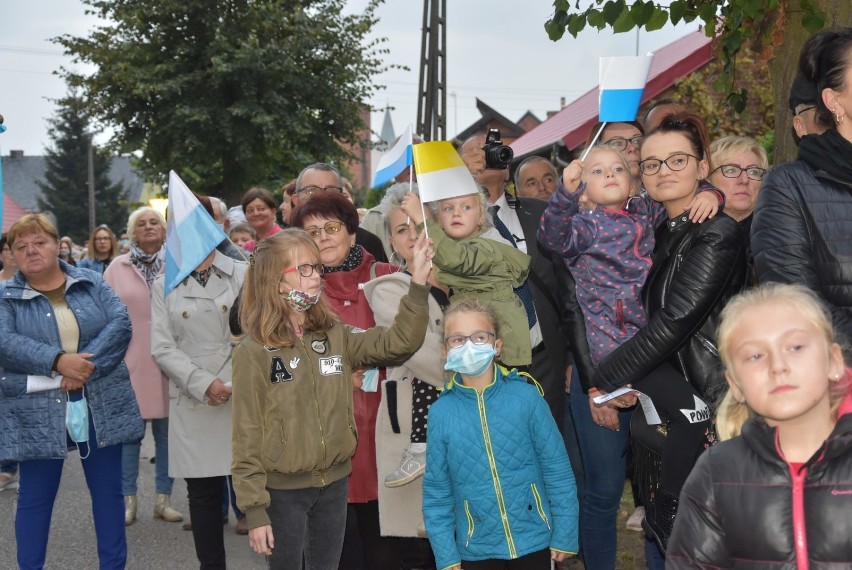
689, 125
730, 417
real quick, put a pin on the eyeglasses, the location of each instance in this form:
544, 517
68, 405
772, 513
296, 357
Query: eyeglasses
620, 143
734, 171
305, 269
311, 189
675, 162
330, 228
478, 337
102, 239
805, 110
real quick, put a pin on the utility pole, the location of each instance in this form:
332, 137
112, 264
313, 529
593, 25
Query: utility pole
432, 102
91, 185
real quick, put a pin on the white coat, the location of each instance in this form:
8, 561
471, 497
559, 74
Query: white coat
191, 342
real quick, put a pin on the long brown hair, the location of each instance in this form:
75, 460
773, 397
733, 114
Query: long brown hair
264, 315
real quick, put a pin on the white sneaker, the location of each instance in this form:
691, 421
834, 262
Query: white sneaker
8, 481
411, 466
634, 521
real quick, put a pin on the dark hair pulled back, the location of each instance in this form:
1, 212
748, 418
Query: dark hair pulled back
689, 125
824, 59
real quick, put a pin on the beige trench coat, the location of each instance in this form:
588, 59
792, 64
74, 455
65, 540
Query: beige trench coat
191, 342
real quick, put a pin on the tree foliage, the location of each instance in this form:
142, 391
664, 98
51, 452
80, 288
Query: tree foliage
65, 189
228, 93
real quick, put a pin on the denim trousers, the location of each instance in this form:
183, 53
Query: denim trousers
205, 512
604, 457
310, 522
10, 467
130, 460
39, 485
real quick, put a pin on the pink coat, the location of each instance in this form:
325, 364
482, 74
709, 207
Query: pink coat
149, 383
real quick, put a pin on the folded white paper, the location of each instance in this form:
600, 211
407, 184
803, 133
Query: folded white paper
42, 383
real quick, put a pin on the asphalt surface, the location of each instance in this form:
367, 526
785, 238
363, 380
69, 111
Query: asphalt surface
152, 544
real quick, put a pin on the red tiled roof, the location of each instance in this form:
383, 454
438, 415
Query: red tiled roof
571, 125
11, 212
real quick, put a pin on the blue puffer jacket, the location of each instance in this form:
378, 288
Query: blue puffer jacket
32, 426
498, 484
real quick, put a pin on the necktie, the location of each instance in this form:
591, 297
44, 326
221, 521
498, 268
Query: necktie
523, 292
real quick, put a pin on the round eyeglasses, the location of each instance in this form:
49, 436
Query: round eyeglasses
305, 269
330, 228
675, 162
734, 171
478, 337
620, 143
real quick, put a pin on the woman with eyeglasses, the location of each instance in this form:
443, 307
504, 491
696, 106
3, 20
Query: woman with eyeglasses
103, 248
801, 228
296, 427
331, 220
673, 359
259, 208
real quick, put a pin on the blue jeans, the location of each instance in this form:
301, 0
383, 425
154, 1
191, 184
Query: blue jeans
10, 467
130, 460
310, 521
38, 488
604, 456
229, 497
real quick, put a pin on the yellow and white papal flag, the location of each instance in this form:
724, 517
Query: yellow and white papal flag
441, 173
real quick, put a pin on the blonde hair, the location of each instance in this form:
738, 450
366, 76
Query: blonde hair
134, 217
721, 149
483, 208
30, 224
473, 305
731, 414
264, 315
603, 148
113, 247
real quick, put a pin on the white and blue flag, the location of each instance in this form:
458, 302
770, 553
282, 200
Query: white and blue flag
191, 233
395, 160
622, 82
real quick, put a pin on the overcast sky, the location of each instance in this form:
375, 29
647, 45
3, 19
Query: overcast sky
497, 50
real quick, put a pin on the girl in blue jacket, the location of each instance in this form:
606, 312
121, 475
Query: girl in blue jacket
498, 490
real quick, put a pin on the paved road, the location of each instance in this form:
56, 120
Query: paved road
152, 544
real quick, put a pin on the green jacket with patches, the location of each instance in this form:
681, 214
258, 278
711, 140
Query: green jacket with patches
294, 425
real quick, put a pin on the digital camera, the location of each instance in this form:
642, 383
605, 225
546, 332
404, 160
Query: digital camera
497, 155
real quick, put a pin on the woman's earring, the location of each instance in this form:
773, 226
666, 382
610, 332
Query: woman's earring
835, 379
838, 117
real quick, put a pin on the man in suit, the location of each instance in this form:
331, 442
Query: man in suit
520, 219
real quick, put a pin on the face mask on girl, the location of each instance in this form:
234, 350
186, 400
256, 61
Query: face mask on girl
301, 301
470, 359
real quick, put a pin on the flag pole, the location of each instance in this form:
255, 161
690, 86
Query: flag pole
594, 140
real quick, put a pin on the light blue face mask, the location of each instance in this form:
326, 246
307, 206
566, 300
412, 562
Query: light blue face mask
470, 359
77, 420
371, 380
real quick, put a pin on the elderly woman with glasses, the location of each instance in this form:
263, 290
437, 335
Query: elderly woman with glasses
331, 220
740, 164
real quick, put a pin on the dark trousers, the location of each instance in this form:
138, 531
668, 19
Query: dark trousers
39, 485
535, 561
364, 548
310, 522
205, 511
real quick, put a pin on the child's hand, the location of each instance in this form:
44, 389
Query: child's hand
412, 208
358, 377
571, 175
557, 556
703, 206
421, 262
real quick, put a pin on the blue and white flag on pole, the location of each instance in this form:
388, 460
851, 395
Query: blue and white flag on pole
395, 160
191, 233
622, 82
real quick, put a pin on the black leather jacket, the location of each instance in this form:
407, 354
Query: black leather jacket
737, 509
802, 233
696, 269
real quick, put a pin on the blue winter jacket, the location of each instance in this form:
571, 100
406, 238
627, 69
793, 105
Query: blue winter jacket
32, 426
498, 483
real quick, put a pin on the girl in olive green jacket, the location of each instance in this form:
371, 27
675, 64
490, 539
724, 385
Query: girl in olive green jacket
294, 431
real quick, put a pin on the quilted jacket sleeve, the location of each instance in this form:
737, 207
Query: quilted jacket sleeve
110, 344
564, 229
558, 477
698, 540
781, 239
20, 355
696, 288
438, 505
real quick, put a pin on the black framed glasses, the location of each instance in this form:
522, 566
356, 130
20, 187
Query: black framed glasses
478, 337
620, 143
805, 110
309, 190
675, 162
305, 269
330, 228
734, 171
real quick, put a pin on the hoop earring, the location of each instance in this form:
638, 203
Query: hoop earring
838, 117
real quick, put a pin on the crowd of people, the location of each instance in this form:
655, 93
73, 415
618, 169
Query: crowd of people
466, 383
